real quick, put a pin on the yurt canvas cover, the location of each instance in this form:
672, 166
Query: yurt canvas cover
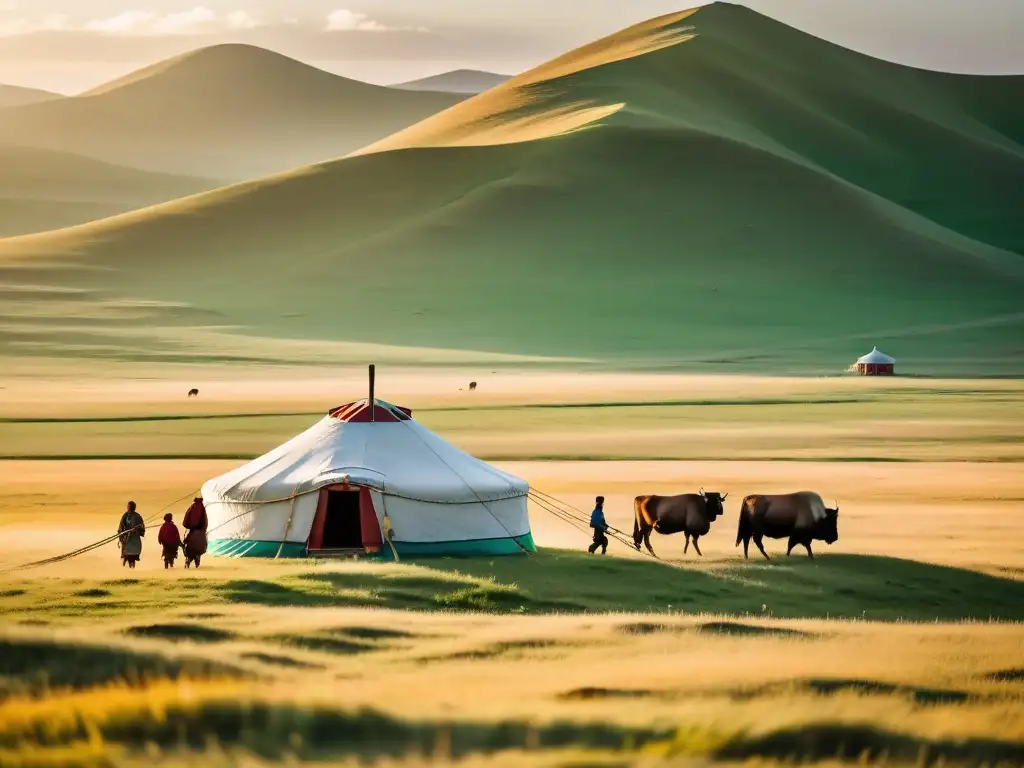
332, 487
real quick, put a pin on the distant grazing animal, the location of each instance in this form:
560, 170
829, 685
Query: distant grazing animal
803, 517
193, 393
472, 386
689, 513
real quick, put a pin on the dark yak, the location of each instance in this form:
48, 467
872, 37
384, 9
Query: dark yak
803, 517
689, 513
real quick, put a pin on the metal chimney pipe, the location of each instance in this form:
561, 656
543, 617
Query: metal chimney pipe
373, 372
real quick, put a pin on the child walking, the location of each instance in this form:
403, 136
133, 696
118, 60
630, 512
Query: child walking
170, 540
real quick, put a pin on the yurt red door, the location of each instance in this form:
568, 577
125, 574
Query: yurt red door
345, 521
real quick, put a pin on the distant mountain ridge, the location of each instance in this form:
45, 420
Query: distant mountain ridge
457, 81
228, 111
17, 96
41, 189
708, 190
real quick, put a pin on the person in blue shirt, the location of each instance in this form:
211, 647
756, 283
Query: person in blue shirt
600, 525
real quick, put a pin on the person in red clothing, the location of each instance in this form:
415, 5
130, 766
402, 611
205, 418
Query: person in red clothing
196, 523
170, 540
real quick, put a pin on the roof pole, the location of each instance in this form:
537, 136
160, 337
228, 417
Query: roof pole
372, 375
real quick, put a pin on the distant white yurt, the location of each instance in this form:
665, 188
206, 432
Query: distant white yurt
875, 363
365, 471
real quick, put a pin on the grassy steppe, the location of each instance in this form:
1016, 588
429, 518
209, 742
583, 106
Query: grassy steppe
45, 189
227, 111
706, 190
900, 645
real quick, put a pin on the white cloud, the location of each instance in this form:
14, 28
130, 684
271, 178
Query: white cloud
127, 23
198, 19
135, 22
54, 22
241, 20
343, 20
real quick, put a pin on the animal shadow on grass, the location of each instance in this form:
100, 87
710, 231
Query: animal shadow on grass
34, 666
177, 633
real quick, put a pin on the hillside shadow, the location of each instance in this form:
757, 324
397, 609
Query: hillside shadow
920, 695
832, 586
439, 590
177, 633
868, 744
274, 730
558, 581
35, 666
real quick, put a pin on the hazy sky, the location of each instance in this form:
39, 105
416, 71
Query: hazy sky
70, 45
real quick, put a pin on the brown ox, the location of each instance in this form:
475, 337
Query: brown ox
803, 517
689, 513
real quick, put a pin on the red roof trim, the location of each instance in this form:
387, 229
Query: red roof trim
359, 411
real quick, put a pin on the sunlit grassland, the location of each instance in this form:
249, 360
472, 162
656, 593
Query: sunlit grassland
901, 644
837, 422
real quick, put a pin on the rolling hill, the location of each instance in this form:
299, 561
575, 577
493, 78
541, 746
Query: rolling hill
708, 189
41, 189
16, 96
227, 111
456, 81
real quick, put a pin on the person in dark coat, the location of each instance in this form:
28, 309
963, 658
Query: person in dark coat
130, 531
170, 539
196, 522
600, 526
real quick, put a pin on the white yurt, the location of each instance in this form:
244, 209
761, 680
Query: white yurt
367, 478
875, 363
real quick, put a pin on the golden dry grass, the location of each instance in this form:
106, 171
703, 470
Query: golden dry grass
523, 108
730, 680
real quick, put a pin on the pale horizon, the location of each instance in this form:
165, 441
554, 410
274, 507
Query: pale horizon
69, 46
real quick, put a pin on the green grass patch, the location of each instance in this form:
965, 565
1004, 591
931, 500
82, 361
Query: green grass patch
837, 586
177, 633
34, 666
322, 644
